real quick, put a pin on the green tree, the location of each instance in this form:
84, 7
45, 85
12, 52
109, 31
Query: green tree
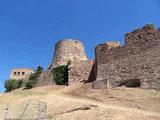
39, 69
13, 84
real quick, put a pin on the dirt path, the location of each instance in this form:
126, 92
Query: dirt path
64, 104
105, 106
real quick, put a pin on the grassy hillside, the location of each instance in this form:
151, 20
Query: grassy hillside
80, 102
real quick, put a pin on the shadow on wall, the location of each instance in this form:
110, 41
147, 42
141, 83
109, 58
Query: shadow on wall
92, 75
131, 83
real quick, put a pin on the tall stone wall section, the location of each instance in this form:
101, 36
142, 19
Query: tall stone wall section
80, 71
45, 78
139, 59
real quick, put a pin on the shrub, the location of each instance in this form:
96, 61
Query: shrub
30, 84
20, 83
33, 78
13, 84
60, 75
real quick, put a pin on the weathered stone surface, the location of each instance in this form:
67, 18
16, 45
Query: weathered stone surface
80, 71
108, 45
139, 59
45, 78
68, 50
99, 84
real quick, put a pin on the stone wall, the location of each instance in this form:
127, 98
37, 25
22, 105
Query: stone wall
139, 59
80, 71
68, 50
45, 78
99, 84
136, 42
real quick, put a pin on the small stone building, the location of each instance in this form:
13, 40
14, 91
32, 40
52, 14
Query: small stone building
21, 73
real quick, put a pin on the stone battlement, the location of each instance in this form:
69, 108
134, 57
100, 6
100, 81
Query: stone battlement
136, 42
136, 60
108, 45
134, 64
142, 36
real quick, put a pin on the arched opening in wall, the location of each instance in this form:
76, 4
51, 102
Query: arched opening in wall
131, 83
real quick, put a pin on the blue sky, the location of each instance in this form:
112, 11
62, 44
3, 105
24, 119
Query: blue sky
30, 28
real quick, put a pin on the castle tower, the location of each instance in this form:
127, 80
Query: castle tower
68, 50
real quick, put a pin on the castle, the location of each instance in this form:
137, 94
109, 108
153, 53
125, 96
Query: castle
135, 64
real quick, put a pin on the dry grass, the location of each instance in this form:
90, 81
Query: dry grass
69, 103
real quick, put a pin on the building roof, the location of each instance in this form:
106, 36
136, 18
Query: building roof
23, 68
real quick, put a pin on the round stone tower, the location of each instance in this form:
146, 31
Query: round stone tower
68, 50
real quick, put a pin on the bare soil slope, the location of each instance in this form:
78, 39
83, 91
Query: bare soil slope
80, 102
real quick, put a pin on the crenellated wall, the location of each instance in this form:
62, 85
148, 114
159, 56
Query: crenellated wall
135, 63
139, 59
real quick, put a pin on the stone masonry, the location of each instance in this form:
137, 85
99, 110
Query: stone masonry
137, 63
45, 78
79, 71
68, 50
138, 59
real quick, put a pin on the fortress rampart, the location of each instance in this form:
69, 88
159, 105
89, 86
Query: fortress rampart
137, 63
68, 50
137, 59
80, 71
